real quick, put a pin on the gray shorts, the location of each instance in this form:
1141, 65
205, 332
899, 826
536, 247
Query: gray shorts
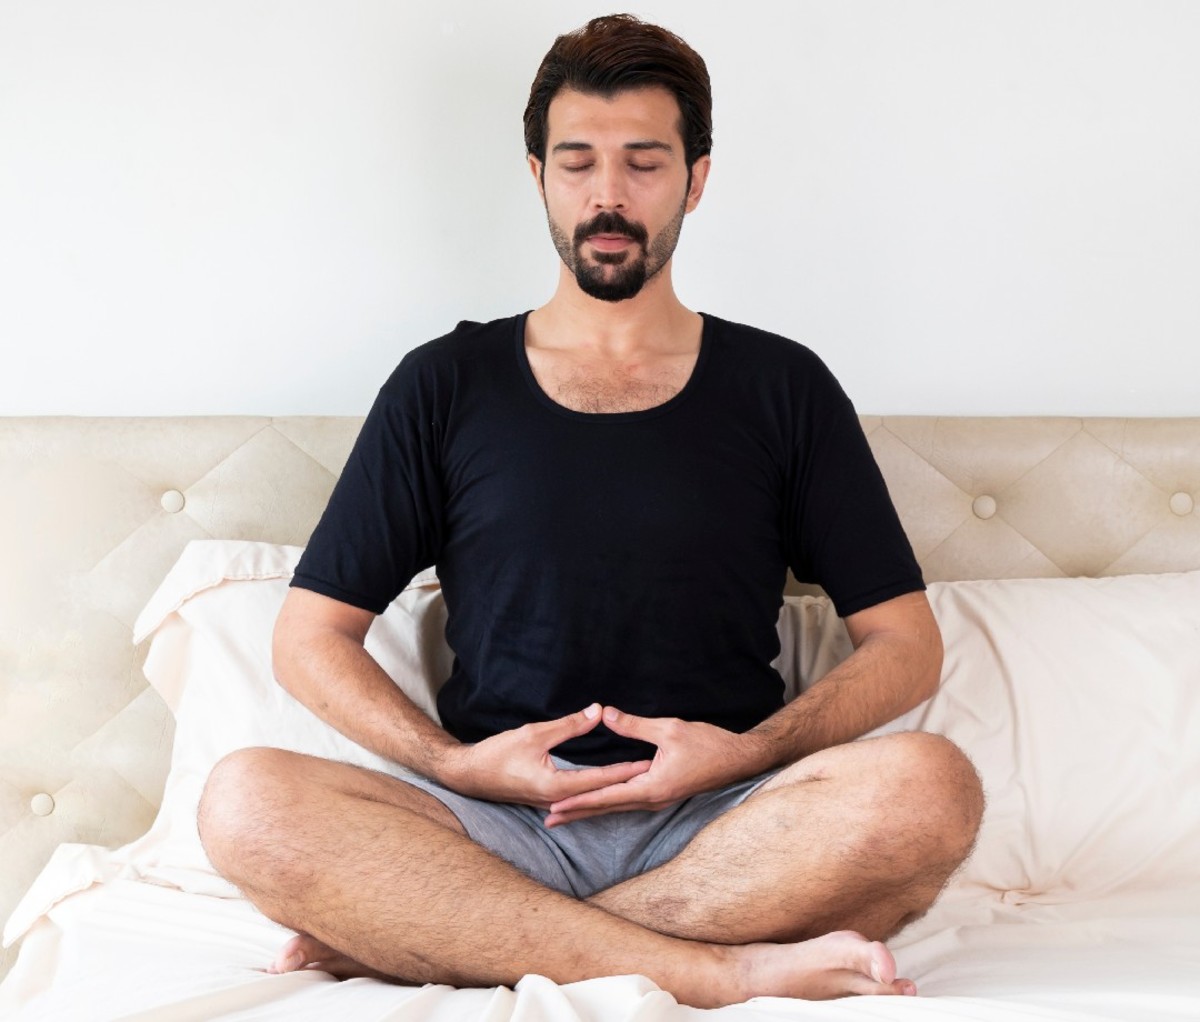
589, 855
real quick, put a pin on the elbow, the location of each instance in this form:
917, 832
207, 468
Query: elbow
924, 657
291, 648
312, 638
932, 659
282, 648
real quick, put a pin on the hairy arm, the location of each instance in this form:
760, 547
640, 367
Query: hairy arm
319, 658
896, 665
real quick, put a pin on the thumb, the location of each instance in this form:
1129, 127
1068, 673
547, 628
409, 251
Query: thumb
630, 725
555, 732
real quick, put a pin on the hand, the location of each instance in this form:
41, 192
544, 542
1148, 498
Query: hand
515, 766
692, 757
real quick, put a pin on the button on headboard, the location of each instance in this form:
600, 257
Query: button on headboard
1043, 497
94, 511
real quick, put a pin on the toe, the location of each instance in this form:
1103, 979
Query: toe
869, 957
298, 952
881, 964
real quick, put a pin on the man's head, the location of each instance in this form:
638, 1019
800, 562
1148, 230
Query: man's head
620, 116
619, 52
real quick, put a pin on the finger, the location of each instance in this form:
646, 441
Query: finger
609, 797
640, 803
559, 819
629, 725
569, 783
554, 819
554, 732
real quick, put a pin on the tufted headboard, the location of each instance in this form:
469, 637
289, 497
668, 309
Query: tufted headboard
94, 512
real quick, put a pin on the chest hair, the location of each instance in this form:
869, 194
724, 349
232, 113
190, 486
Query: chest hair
602, 387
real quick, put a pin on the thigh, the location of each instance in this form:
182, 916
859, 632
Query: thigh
903, 765
513, 833
680, 824
262, 770
250, 784
767, 813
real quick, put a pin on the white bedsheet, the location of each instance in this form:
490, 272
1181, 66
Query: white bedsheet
133, 950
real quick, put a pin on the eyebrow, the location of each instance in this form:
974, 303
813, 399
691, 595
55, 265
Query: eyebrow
646, 145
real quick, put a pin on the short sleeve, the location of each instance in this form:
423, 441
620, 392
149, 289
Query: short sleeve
843, 532
384, 520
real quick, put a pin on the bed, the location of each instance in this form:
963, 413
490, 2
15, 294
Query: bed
144, 560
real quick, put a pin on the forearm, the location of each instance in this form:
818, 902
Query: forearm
886, 676
335, 677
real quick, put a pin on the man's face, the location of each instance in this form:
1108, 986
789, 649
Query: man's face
616, 187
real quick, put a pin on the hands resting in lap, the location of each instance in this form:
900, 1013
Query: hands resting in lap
516, 766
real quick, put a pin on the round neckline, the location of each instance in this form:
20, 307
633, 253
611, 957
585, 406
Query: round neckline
670, 404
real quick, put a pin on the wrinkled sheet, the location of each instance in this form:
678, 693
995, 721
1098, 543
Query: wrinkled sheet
133, 950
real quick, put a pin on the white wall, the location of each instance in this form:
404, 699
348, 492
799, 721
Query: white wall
257, 207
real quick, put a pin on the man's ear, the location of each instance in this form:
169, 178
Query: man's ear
700, 171
537, 169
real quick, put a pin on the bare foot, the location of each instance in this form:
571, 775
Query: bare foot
836, 965
306, 952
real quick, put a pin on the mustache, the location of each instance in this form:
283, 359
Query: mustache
611, 223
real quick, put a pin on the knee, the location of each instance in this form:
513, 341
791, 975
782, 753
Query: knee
244, 802
937, 784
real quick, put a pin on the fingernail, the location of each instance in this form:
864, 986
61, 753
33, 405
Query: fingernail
910, 989
610, 714
875, 974
592, 712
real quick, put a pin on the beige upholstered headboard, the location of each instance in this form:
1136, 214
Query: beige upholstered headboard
94, 512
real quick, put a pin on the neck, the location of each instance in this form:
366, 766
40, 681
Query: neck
654, 317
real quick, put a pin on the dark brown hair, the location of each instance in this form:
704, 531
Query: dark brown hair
618, 52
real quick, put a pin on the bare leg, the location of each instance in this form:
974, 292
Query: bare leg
861, 836
362, 863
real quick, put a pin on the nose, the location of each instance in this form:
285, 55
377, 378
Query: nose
608, 186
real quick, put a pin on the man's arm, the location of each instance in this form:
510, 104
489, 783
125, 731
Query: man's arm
320, 659
895, 666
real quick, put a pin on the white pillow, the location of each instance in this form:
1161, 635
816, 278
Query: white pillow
1079, 702
211, 622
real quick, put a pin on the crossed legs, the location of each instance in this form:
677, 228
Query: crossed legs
861, 838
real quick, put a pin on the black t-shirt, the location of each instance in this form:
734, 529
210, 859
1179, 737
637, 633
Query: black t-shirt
635, 559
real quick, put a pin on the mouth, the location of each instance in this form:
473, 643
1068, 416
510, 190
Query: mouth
609, 242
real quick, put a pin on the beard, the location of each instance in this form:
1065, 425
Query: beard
616, 276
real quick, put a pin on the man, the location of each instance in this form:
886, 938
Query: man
612, 488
